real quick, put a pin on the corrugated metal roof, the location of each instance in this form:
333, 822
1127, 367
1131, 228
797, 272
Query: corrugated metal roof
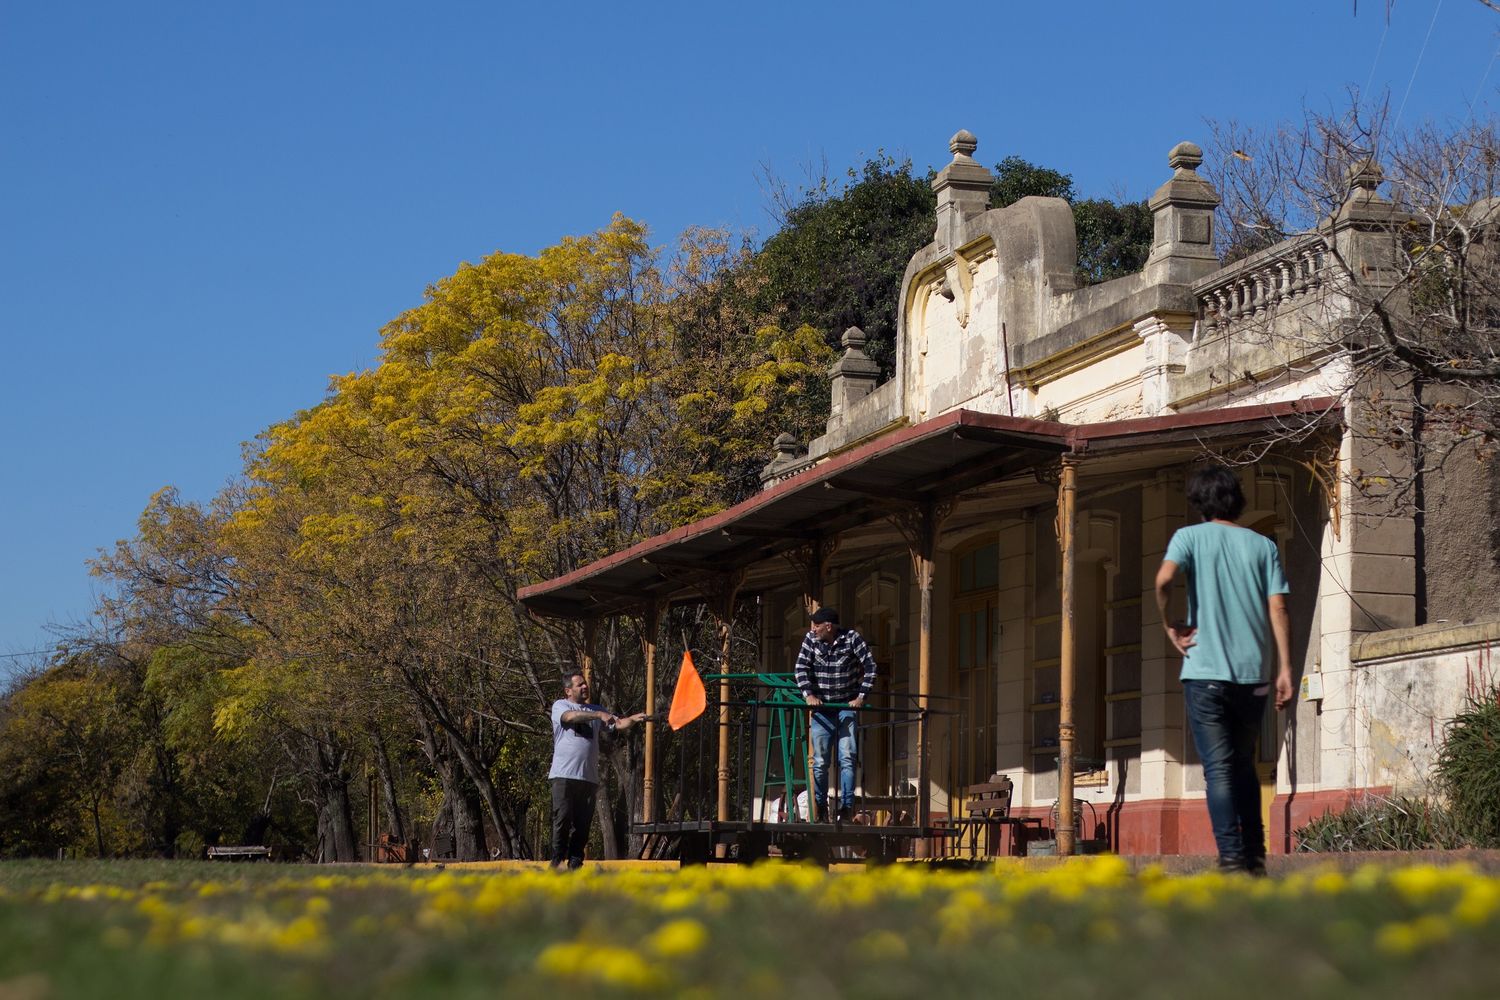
929, 461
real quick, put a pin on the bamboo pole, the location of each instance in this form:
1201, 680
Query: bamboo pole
1067, 520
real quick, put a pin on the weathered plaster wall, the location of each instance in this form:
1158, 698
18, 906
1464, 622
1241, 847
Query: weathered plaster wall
1411, 682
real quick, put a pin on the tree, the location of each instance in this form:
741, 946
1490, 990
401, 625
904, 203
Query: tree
838, 258
68, 731
1421, 281
1374, 265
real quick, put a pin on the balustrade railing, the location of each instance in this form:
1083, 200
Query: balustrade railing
1256, 287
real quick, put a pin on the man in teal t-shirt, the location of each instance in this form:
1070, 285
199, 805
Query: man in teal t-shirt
1236, 619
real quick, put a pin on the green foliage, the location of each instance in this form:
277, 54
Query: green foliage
1016, 178
1380, 823
1468, 769
839, 257
1114, 238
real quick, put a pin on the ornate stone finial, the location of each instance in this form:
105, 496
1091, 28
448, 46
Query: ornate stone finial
962, 145
1365, 175
1185, 156
854, 339
1182, 212
786, 446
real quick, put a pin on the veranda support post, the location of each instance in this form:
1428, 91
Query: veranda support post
1067, 521
651, 625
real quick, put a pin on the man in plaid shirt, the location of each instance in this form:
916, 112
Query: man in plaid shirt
834, 667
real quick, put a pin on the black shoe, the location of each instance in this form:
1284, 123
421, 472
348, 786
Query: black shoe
845, 814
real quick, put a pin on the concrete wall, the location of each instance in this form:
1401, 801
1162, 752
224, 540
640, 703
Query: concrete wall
1410, 683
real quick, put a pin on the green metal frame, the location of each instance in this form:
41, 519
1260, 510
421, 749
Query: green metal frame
786, 737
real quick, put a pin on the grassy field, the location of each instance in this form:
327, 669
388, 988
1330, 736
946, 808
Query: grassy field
1085, 929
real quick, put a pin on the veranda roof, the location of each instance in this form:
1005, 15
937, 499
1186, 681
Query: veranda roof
991, 456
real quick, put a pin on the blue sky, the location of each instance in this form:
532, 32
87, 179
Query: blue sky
206, 209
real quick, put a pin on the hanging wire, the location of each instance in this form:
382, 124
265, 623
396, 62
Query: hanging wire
1418, 66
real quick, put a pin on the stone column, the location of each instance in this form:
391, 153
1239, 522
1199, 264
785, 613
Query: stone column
1166, 338
1163, 511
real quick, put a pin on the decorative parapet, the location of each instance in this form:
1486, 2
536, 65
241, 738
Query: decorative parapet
963, 191
1182, 212
791, 458
853, 376
1261, 284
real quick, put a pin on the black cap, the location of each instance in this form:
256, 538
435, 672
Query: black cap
825, 615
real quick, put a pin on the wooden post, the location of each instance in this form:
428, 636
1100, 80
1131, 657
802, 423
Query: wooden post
590, 627
810, 560
919, 523
923, 565
1067, 521
725, 613
651, 624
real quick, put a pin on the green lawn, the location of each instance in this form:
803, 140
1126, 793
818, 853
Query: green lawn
1085, 929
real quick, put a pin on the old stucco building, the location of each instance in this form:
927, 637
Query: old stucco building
934, 498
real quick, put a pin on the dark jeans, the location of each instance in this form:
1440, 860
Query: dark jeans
572, 812
827, 728
1225, 720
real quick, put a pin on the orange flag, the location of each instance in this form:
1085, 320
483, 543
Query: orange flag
689, 699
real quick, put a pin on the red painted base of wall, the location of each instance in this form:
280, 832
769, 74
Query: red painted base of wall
1181, 826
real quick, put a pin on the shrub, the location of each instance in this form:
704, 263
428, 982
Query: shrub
1380, 823
1468, 769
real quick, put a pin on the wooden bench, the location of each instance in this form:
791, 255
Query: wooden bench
989, 810
239, 853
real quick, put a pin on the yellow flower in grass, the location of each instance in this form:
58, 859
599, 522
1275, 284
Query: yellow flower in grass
678, 938
1479, 902
882, 946
677, 900
305, 935
1420, 883
1329, 883
607, 964
1410, 936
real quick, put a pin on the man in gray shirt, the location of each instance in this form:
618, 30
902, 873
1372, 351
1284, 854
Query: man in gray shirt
576, 728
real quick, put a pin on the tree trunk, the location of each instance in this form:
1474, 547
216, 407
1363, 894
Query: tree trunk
336, 838
394, 819
468, 823
454, 741
98, 827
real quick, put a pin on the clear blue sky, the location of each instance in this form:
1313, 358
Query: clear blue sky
208, 208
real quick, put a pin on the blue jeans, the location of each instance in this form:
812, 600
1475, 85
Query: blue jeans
1225, 720
823, 728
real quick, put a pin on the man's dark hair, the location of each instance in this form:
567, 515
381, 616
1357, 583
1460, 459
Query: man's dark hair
568, 675
1214, 492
